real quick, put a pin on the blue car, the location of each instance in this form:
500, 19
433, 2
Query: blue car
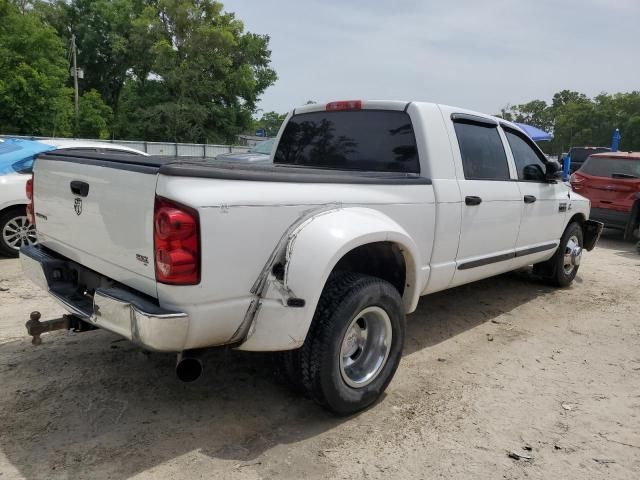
16, 165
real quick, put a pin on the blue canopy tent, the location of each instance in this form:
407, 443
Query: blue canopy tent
535, 133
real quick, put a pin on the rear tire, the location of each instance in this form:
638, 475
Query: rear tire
561, 269
15, 231
354, 344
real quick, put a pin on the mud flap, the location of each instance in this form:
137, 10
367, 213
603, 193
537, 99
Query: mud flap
591, 231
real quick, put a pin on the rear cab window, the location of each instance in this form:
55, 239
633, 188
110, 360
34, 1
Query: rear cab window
610, 167
360, 140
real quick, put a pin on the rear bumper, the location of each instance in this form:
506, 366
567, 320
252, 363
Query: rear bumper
611, 218
110, 306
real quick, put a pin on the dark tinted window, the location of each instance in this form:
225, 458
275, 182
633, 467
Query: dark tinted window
611, 167
580, 154
372, 140
529, 162
483, 156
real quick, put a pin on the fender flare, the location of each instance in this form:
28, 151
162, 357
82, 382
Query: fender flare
316, 246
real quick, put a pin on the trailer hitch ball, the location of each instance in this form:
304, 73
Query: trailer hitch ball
34, 328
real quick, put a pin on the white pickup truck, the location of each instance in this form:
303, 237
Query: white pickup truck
367, 206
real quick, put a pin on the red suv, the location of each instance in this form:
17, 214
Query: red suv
612, 182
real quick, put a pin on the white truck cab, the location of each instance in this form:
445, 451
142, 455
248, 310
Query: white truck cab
320, 254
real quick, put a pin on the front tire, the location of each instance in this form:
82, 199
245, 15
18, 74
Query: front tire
15, 231
355, 342
561, 269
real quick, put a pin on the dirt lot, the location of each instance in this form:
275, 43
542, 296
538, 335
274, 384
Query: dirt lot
502, 365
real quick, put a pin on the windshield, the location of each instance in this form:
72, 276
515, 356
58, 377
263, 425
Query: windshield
611, 167
16, 156
263, 147
370, 140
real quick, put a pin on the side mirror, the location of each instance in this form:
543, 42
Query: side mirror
534, 172
553, 171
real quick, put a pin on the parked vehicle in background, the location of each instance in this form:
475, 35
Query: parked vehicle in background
579, 154
612, 182
319, 254
260, 153
16, 164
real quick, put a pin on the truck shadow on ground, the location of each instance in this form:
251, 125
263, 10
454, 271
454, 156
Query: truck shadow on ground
614, 240
94, 406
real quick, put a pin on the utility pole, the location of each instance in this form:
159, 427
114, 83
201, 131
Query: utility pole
75, 76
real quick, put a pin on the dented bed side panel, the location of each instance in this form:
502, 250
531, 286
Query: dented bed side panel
312, 251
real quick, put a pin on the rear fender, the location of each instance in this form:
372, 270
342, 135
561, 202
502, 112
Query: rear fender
312, 250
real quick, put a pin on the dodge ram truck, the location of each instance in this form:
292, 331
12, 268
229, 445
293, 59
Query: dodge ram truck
318, 255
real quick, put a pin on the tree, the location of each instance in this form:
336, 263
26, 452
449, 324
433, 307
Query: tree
33, 72
565, 97
94, 116
536, 113
270, 122
202, 76
102, 29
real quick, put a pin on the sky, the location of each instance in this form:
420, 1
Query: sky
480, 55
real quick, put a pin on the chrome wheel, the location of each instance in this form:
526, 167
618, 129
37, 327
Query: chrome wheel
572, 255
365, 347
18, 231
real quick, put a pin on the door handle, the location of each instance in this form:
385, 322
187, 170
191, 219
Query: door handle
79, 188
529, 198
472, 200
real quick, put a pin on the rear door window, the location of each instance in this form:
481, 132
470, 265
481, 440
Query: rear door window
483, 156
369, 140
530, 162
611, 167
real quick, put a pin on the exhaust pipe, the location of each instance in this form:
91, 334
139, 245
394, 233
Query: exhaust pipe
188, 366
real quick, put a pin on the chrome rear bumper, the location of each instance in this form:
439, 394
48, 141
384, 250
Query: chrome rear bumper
110, 306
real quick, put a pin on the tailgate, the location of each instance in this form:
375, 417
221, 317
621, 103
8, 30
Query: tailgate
98, 213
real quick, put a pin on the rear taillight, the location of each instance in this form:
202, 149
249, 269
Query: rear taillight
176, 241
29, 191
576, 181
344, 105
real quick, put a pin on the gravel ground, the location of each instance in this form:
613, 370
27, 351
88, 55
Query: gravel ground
503, 365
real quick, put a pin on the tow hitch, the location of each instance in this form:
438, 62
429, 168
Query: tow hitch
35, 327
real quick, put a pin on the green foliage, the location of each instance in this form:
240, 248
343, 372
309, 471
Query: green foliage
577, 120
270, 122
102, 29
153, 69
201, 76
33, 75
94, 116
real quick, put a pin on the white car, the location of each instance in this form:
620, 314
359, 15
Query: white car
367, 206
16, 161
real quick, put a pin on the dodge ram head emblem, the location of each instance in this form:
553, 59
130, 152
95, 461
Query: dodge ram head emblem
77, 206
